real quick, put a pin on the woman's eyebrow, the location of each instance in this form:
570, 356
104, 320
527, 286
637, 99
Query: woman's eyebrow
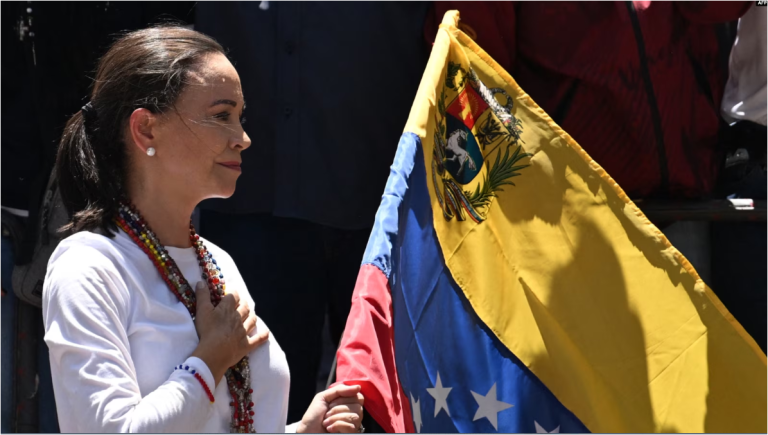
229, 102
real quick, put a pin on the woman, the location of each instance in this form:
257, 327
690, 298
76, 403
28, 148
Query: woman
134, 347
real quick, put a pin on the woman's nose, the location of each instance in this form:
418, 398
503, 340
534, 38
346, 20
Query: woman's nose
243, 142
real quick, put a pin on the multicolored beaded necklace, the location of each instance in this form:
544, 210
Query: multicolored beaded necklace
238, 376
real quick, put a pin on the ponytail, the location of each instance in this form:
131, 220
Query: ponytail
89, 187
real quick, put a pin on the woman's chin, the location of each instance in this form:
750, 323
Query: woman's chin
222, 192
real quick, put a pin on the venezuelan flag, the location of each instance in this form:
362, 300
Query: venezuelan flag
510, 285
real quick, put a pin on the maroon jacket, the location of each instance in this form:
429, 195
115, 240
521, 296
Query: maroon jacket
637, 84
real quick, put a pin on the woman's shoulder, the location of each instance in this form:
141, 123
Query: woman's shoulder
84, 261
87, 247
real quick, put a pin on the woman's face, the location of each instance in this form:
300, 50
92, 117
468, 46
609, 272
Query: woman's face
199, 143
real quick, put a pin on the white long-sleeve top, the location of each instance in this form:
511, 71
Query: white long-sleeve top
746, 96
115, 333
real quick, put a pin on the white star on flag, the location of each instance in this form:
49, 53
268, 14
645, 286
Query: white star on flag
540, 429
489, 407
441, 395
416, 414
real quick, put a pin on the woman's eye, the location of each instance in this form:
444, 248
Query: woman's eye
224, 116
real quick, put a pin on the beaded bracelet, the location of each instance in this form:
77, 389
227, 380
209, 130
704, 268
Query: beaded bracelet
199, 378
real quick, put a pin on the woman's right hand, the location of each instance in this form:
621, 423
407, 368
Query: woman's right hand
224, 331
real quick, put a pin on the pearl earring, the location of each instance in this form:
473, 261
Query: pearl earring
150, 151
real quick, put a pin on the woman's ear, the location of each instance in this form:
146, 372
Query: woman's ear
141, 127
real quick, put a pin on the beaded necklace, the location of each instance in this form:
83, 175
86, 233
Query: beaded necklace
238, 376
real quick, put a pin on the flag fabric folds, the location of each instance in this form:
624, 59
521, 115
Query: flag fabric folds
510, 285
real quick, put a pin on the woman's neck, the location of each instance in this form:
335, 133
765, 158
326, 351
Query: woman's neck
167, 214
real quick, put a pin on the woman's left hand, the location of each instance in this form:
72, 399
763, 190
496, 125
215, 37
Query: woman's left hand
336, 410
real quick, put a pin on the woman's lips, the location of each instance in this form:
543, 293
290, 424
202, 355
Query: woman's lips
235, 166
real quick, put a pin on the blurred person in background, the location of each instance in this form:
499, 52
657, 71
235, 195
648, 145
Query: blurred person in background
20, 165
638, 84
325, 120
739, 249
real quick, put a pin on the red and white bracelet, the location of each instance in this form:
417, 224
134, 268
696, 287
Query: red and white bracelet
199, 378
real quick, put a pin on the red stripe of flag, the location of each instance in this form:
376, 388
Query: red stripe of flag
366, 356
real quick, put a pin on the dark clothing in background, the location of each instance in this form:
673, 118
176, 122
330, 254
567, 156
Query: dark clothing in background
637, 84
739, 251
21, 140
328, 89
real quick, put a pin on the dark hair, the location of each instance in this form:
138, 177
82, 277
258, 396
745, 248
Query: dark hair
143, 69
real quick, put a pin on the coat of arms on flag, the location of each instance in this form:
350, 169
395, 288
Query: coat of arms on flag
509, 284
473, 125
